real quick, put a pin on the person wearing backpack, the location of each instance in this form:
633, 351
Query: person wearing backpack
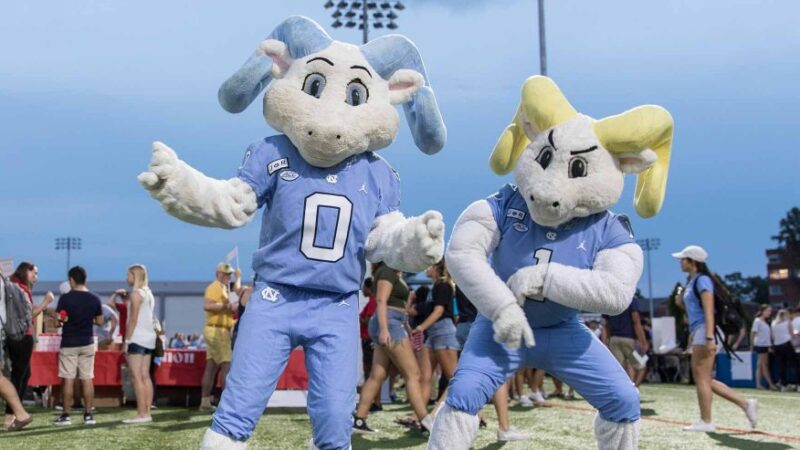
8, 392
702, 339
20, 345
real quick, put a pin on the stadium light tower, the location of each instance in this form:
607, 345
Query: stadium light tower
369, 14
68, 244
648, 245
542, 47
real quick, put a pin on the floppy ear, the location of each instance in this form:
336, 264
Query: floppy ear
389, 55
635, 137
403, 85
542, 106
278, 52
294, 38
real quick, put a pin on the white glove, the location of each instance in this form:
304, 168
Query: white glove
511, 328
528, 282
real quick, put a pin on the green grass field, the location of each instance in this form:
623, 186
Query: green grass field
560, 425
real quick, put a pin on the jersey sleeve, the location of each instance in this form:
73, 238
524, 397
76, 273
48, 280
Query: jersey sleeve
500, 201
260, 165
618, 232
704, 284
390, 191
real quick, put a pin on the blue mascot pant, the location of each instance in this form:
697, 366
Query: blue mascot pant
278, 319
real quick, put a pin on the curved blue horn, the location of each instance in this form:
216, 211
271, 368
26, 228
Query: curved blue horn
386, 55
302, 37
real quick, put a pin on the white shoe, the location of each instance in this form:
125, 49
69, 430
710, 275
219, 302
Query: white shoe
137, 420
525, 401
537, 397
751, 410
701, 427
215, 441
512, 434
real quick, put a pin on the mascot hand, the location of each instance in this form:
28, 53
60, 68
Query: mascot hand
511, 328
528, 282
163, 177
430, 235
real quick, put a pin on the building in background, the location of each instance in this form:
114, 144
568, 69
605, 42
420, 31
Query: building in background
783, 270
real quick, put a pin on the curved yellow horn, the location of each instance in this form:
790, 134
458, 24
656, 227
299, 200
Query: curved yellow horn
643, 127
542, 106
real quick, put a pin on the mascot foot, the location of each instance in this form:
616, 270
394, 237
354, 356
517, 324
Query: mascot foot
616, 436
215, 441
453, 430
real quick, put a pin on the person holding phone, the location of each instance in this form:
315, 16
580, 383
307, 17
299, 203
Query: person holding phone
703, 341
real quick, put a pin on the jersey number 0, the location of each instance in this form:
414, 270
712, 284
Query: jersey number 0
310, 217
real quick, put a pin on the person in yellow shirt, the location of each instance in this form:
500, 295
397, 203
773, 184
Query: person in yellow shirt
217, 332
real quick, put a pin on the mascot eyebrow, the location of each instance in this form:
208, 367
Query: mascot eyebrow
573, 152
320, 58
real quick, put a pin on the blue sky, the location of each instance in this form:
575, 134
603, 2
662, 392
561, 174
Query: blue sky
86, 86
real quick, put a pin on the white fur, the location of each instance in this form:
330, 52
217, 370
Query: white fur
575, 197
403, 85
187, 194
407, 244
606, 288
474, 238
215, 441
372, 125
453, 430
616, 436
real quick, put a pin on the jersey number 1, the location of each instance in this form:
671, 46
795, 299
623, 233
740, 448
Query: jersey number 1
541, 256
344, 215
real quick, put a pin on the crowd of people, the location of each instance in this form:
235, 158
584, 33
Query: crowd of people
414, 334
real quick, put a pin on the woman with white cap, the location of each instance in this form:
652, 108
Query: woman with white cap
700, 310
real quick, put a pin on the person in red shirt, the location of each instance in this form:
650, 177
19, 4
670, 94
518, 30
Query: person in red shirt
119, 301
19, 352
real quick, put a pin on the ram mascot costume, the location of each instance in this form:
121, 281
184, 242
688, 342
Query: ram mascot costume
535, 254
330, 203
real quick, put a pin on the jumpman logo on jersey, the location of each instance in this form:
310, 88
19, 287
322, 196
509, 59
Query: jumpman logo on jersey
363, 188
270, 294
582, 246
344, 303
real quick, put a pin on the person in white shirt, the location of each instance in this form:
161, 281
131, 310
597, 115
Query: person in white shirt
782, 331
140, 342
761, 343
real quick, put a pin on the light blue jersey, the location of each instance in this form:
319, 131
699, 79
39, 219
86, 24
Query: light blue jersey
316, 220
694, 307
524, 243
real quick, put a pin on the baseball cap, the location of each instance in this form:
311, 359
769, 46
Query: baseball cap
224, 268
694, 252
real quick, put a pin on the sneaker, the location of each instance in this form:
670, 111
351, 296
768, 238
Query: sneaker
360, 426
525, 401
137, 420
88, 419
537, 397
482, 424
63, 420
701, 427
512, 434
375, 408
751, 410
570, 395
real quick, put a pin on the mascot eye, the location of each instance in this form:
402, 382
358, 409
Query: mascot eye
357, 93
314, 84
545, 157
577, 168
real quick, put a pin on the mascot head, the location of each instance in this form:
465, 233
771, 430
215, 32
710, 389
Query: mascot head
569, 165
332, 99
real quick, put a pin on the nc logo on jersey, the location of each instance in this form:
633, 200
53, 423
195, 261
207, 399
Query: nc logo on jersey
332, 179
270, 294
289, 175
551, 235
521, 227
515, 214
277, 165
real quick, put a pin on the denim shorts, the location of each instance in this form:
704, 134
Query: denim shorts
442, 335
462, 332
397, 327
698, 336
136, 349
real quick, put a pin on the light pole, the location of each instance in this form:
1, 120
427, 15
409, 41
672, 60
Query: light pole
68, 244
542, 46
370, 14
648, 245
